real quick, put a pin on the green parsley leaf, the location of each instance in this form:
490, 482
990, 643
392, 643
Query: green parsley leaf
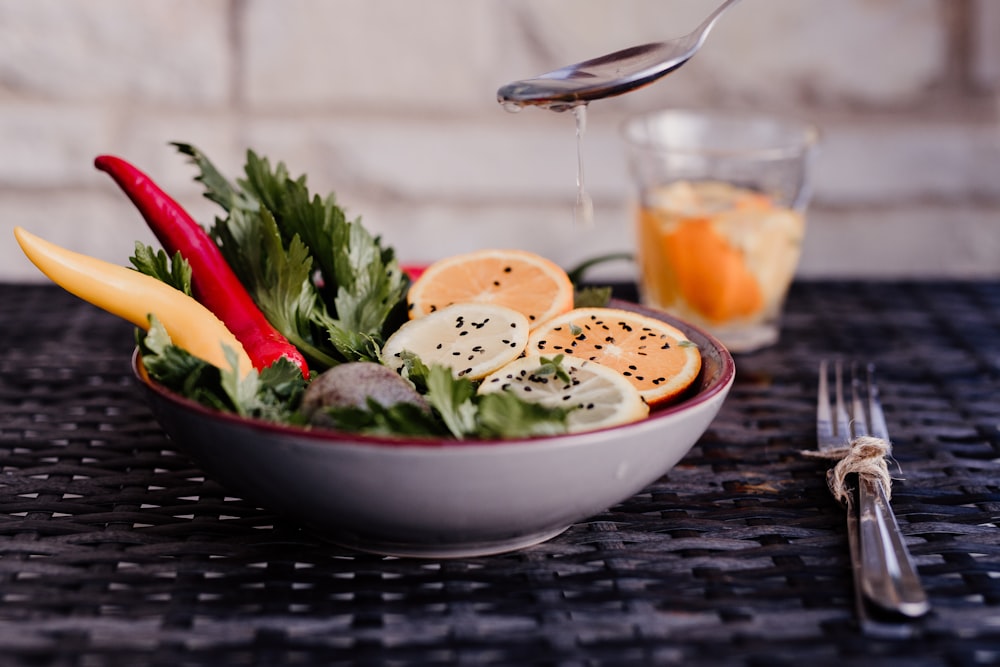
503, 414
174, 271
217, 187
453, 399
554, 367
400, 419
272, 394
592, 297
327, 284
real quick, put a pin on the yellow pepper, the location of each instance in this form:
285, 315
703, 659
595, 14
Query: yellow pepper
133, 296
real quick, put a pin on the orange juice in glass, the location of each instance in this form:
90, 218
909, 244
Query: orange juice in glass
720, 217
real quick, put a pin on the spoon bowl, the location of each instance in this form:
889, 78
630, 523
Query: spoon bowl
609, 75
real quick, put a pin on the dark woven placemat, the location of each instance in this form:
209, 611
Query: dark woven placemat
115, 549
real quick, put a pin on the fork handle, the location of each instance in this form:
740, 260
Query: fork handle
888, 576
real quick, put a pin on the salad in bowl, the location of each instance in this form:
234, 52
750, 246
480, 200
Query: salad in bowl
480, 404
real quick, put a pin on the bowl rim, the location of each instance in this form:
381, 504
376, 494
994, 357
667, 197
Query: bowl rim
333, 437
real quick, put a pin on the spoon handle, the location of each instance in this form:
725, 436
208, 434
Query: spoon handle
710, 20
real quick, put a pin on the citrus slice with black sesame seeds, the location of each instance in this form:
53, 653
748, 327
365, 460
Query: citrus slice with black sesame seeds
597, 396
655, 357
472, 339
529, 283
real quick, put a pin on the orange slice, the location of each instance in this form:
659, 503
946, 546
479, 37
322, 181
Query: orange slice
657, 358
711, 272
528, 283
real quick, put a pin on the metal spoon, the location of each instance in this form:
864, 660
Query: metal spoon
606, 76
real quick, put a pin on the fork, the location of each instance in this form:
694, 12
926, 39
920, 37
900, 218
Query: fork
888, 592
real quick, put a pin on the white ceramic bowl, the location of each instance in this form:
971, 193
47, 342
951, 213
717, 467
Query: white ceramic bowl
444, 498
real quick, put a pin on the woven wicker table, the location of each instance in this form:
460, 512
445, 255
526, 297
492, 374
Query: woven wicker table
116, 550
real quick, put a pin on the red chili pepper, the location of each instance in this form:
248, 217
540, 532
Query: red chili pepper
212, 279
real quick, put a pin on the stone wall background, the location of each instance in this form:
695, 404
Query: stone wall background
391, 104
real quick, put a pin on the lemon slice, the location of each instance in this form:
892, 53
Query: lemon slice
600, 396
473, 339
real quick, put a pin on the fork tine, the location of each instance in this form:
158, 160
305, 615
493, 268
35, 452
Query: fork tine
843, 421
825, 437
876, 417
860, 422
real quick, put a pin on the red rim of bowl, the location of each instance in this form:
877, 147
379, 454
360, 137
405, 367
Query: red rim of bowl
331, 436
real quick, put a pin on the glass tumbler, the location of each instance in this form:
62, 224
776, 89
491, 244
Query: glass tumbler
720, 217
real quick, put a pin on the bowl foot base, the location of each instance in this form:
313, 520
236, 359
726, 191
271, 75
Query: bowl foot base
455, 549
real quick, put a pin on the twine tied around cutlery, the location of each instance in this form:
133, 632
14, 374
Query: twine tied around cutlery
865, 455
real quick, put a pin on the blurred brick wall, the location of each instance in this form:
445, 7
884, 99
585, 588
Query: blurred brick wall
391, 104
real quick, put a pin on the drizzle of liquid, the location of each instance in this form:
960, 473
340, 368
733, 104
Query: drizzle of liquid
583, 209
